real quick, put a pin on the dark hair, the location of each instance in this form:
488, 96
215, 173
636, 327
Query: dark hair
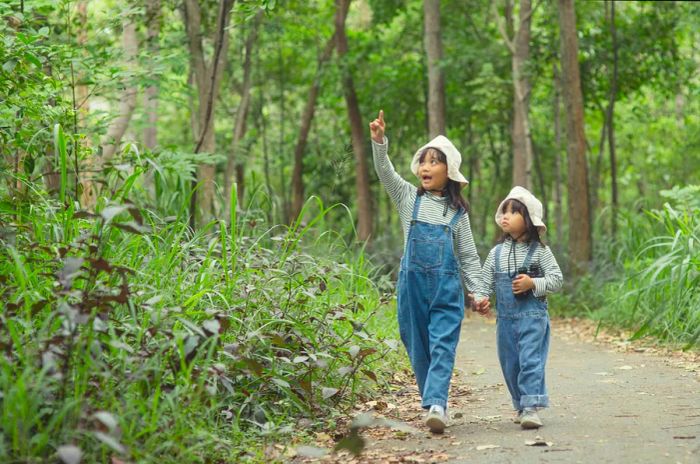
533, 235
453, 190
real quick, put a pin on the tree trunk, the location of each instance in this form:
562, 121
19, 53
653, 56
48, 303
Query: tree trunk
558, 216
578, 199
207, 77
283, 117
611, 123
261, 122
81, 106
116, 129
597, 166
364, 205
306, 119
127, 101
522, 141
153, 15
520, 132
436, 81
240, 122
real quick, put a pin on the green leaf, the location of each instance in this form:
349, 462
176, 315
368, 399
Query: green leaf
32, 59
62, 155
9, 65
29, 164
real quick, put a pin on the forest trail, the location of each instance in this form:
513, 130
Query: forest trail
608, 405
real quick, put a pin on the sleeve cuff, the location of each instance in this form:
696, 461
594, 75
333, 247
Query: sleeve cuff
383, 144
540, 287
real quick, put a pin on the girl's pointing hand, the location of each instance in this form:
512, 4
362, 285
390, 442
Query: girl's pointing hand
376, 127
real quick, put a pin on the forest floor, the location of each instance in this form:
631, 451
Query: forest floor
611, 401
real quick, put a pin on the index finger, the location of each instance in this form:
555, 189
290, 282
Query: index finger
381, 116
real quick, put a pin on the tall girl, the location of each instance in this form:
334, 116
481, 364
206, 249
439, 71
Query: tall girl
439, 262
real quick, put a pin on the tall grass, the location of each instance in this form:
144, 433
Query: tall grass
126, 334
651, 283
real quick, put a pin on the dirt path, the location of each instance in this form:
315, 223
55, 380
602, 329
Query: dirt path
607, 406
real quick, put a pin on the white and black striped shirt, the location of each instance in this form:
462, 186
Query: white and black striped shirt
403, 195
542, 257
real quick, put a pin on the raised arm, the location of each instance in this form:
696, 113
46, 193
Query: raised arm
397, 187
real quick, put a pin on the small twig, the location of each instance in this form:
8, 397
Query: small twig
679, 426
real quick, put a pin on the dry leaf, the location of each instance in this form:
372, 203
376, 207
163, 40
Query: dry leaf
538, 441
486, 447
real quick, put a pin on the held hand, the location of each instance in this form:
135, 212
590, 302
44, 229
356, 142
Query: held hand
522, 284
483, 307
376, 127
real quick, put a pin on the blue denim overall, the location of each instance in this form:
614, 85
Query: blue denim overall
523, 338
430, 306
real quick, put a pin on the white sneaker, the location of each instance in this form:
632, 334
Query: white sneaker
529, 419
436, 420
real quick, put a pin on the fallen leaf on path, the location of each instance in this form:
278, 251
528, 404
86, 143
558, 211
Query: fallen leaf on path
479, 371
486, 447
538, 441
680, 437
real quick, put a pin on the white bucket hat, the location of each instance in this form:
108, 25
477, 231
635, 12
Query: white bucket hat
533, 205
454, 158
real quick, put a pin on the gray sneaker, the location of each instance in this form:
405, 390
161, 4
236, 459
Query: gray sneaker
530, 420
436, 420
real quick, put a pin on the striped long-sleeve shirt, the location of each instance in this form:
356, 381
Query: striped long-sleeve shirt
431, 210
512, 256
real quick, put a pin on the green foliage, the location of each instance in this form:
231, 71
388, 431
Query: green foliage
125, 334
651, 285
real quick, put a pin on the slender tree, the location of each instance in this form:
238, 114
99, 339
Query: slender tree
436, 81
207, 76
153, 18
611, 122
578, 199
306, 120
239, 127
519, 47
364, 205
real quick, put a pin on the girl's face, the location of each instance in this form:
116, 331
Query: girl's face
432, 171
513, 222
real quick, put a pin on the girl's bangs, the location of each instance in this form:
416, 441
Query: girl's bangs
515, 206
441, 156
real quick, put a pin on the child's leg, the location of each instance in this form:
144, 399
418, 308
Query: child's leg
534, 347
413, 328
444, 327
507, 343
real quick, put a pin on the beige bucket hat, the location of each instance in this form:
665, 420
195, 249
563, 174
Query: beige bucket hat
454, 158
533, 205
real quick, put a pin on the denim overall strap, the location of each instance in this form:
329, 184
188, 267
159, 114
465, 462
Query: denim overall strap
416, 205
499, 247
430, 305
530, 254
455, 218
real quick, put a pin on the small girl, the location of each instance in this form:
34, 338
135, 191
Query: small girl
522, 270
439, 258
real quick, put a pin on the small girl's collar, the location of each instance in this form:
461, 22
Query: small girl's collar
510, 239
